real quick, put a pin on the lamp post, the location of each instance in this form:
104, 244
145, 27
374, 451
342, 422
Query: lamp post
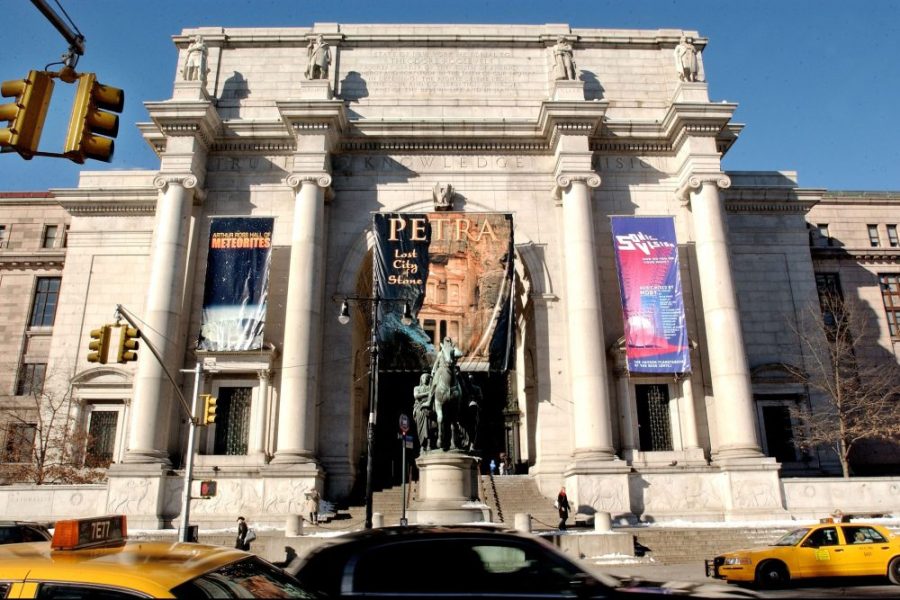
343, 319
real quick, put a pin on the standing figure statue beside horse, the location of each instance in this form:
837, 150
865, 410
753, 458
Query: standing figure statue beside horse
446, 408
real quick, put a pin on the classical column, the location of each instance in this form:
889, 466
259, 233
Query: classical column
735, 415
588, 383
688, 415
258, 428
152, 389
302, 323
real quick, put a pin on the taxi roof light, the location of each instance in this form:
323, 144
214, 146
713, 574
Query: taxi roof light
97, 532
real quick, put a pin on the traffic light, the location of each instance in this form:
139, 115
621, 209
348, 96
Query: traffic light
26, 113
209, 409
208, 488
90, 121
128, 344
99, 345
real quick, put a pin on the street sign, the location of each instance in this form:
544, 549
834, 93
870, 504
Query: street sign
404, 424
408, 440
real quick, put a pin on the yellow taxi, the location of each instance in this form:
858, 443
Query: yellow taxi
92, 558
829, 549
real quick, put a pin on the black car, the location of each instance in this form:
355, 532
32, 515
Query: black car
13, 532
465, 561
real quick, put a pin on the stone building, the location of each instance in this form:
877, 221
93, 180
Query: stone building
474, 119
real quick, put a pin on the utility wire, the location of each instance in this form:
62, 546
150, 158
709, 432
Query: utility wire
71, 22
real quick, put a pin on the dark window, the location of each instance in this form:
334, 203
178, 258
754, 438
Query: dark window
890, 294
4, 236
779, 433
31, 379
828, 286
862, 535
874, 240
893, 240
232, 421
46, 295
822, 537
50, 233
101, 438
824, 236
653, 417
19, 442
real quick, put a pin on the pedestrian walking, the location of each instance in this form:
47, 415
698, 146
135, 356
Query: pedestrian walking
493, 466
241, 542
562, 503
312, 507
502, 465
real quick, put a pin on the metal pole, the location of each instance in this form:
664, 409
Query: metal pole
189, 463
403, 479
373, 408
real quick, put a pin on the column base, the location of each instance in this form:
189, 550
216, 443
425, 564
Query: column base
147, 457
739, 456
293, 457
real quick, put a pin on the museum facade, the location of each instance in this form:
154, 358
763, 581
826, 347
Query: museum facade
294, 140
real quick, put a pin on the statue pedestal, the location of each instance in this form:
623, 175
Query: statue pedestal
315, 89
448, 490
567, 89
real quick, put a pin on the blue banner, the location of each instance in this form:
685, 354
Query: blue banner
237, 284
656, 339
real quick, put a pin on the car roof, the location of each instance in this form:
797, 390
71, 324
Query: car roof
152, 567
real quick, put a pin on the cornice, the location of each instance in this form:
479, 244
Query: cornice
186, 118
24, 261
858, 255
108, 202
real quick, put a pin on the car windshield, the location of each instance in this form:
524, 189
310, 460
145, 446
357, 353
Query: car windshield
249, 578
793, 538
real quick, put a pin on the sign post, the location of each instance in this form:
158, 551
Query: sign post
404, 428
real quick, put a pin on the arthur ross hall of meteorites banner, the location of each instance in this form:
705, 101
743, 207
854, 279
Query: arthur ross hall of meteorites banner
237, 283
456, 272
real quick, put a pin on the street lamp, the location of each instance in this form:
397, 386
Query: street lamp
343, 319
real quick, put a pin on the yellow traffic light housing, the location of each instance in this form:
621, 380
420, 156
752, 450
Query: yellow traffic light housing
99, 345
209, 409
90, 121
26, 114
128, 344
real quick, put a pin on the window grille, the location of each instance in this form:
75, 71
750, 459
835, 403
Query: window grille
233, 428
653, 417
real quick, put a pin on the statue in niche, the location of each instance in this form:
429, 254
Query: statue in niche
318, 58
443, 196
195, 68
563, 63
686, 60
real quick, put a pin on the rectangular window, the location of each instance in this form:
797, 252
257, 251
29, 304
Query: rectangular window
828, 286
874, 240
893, 240
19, 442
65, 240
653, 417
779, 433
50, 233
3, 236
890, 294
232, 421
31, 379
101, 443
823, 233
46, 296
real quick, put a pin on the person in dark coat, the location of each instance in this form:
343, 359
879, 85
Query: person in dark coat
562, 503
241, 542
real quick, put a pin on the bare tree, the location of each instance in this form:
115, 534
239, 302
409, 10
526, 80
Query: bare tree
44, 444
859, 392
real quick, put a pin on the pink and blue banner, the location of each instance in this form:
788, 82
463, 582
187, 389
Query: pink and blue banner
656, 339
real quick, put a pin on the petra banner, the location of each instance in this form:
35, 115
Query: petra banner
656, 338
456, 272
237, 284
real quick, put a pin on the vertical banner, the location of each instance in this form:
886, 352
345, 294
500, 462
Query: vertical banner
656, 338
237, 284
456, 272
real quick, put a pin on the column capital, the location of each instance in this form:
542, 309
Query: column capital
188, 181
296, 180
564, 181
695, 181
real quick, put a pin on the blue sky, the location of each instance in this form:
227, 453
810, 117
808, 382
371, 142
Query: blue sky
817, 81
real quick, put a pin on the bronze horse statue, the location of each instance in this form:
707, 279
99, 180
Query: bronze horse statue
447, 394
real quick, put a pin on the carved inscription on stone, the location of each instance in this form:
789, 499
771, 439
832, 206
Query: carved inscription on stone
449, 72
399, 163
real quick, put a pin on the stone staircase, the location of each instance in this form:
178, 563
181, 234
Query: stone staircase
678, 545
511, 494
